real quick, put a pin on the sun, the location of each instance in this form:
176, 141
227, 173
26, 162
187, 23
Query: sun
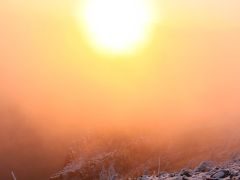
117, 26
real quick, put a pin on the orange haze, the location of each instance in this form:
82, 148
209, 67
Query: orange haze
186, 76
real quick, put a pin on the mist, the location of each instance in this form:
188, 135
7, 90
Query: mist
183, 88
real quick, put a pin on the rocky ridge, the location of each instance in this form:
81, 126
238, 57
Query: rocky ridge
205, 171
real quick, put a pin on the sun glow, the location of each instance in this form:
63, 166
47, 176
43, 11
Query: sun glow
117, 26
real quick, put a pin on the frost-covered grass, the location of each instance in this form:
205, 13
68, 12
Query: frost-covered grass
129, 158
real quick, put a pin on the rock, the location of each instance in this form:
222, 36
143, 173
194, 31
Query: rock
221, 174
235, 178
185, 178
186, 173
204, 166
234, 173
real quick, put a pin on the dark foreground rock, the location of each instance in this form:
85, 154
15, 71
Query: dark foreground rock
205, 171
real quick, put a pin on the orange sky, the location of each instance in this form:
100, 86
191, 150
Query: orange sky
190, 69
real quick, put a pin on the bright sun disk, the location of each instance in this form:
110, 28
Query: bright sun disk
117, 25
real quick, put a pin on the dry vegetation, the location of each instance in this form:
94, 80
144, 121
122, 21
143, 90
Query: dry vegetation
130, 156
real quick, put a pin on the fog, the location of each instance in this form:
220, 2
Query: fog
36, 151
182, 88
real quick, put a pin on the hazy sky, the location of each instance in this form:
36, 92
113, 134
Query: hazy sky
189, 69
